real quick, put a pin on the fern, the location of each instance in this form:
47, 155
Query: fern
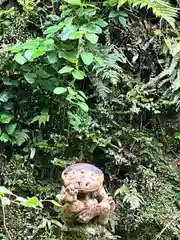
106, 72
20, 137
159, 7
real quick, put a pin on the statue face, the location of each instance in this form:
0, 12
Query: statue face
85, 177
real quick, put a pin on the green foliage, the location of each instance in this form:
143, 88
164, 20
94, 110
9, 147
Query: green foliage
160, 8
91, 82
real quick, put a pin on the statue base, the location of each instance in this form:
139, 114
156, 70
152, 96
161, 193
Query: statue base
86, 232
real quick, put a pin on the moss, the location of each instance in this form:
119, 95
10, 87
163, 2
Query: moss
91, 232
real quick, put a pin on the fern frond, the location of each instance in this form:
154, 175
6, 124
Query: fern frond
101, 88
159, 7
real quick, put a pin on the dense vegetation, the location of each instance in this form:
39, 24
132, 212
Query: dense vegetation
98, 82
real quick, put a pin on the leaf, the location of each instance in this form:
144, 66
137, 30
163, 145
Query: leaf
5, 201
30, 77
5, 190
31, 44
71, 91
20, 59
10, 128
87, 57
39, 52
4, 96
74, 2
5, 118
77, 74
83, 106
60, 90
66, 69
54, 202
28, 54
113, 14
93, 38
4, 138
20, 136
32, 202
101, 23
92, 28
52, 57
82, 94
122, 13
122, 21
51, 30
66, 32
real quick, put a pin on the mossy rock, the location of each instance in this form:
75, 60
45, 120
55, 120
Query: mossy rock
90, 232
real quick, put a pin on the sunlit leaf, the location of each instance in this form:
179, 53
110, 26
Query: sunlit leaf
66, 69
20, 59
30, 77
5, 201
32, 202
60, 90
87, 57
93, 38
77, 74
83, 106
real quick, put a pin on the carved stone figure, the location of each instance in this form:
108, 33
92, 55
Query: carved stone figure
83, 196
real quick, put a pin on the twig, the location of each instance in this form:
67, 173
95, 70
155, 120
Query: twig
4, 223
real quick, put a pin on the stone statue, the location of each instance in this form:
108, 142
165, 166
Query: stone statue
83, 196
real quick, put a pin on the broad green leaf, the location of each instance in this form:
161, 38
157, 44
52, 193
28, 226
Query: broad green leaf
4, 138
4, 190
54, 202
82, 94
77, 74
122, 13
28, 54
74, 2
66, 32
20, 59
101, 23
60, 90
37, 53
5, 118
83, 106
52, 57
76, 35
51, 30
122, 21
79, 97
31, 44
10, 128
32, 202
16, 48
110, 3
66, 69
92, 28
71, 91
48, 45
113, 14
93, 38
87, 57
4, 96
30, 77
5, 201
